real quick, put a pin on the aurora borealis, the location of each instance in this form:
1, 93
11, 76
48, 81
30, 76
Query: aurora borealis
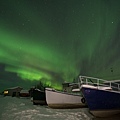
56, 40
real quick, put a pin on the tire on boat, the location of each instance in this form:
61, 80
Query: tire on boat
83, 100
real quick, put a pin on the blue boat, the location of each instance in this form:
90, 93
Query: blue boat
103, 99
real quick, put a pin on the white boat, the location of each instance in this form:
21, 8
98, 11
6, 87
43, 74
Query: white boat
62, 100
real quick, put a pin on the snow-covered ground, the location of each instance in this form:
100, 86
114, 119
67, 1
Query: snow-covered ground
12, 108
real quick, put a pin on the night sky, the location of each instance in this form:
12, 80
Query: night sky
56, 40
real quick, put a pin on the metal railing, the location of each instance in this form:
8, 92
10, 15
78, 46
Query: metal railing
98, 82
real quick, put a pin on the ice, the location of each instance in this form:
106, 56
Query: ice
13, 108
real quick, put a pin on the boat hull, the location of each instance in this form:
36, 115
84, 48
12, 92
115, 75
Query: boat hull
102, 103
63, 100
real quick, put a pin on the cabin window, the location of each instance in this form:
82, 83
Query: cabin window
5, 92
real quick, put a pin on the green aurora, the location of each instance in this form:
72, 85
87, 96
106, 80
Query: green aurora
57, 40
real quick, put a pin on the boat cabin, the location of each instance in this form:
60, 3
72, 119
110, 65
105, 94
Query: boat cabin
68, 87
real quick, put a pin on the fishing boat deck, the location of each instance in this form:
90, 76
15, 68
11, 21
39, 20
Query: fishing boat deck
99, 83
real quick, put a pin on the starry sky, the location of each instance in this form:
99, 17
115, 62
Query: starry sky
56, 40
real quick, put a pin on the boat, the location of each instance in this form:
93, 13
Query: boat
24, 94
39, 97
63, 99
103, 99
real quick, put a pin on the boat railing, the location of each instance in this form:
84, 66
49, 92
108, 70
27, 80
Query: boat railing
98, 83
